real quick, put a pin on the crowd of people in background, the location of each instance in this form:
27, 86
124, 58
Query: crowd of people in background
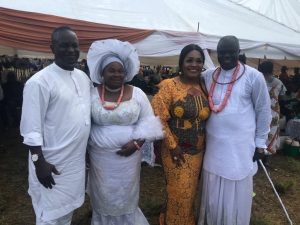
14, 72
290, 102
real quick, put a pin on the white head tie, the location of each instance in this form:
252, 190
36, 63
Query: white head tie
103, 52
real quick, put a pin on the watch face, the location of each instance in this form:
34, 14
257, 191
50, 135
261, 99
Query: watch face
35, 157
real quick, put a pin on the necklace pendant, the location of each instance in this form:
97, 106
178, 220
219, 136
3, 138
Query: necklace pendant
110, 105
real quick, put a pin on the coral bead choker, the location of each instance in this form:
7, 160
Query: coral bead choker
111, 105
228, 91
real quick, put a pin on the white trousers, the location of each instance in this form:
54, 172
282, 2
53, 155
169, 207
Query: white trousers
225, 202
64, 220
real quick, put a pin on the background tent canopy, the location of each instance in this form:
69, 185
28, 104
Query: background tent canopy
158, 28
32, 31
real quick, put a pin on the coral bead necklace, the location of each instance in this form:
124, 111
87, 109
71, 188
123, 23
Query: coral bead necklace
111, 105
228, 91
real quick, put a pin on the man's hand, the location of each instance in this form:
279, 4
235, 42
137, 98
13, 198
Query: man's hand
177, 156
258, 154
43, 169
44, 172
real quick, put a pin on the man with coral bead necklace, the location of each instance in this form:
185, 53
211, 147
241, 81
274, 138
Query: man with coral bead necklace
237, 131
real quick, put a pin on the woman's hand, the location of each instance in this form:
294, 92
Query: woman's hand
177, 156
129, 148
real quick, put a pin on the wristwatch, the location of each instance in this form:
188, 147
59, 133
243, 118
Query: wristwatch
35, 157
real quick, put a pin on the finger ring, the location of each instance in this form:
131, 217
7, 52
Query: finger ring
175, 158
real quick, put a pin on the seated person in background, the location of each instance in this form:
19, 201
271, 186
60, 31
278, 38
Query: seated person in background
13, 92
154, 80
242, 58
289, 102
283, 76
139, 81
296, 77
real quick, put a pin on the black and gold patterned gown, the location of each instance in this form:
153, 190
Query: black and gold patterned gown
183, 110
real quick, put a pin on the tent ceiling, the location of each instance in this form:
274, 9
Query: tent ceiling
286, 12
261, 34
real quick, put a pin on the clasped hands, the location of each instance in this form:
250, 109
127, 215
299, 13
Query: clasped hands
44, 169
130, 147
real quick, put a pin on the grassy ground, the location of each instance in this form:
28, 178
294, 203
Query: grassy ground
16, 209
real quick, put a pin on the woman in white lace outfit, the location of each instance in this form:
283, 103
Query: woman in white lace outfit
122, 119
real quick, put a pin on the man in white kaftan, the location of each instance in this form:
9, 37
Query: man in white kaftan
55, 125
236, 137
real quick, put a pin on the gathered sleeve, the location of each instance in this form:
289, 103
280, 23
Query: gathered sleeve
35, 102
148, 126
161, 103
262, 106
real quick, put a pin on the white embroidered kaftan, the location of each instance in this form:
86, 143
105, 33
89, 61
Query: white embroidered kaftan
242, 125
232, 136
56, 116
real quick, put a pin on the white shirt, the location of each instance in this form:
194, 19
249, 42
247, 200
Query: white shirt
56, 116
242, 125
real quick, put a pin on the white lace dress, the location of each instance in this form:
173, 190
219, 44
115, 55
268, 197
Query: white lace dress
114, 180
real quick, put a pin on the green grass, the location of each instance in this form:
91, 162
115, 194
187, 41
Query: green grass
283, 187
16, 209
292, 165
255, 221
151, 206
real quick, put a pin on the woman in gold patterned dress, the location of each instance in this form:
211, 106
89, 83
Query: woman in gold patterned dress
182, 106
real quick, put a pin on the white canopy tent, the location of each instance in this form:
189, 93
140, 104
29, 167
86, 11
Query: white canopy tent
262, 34
284, 12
